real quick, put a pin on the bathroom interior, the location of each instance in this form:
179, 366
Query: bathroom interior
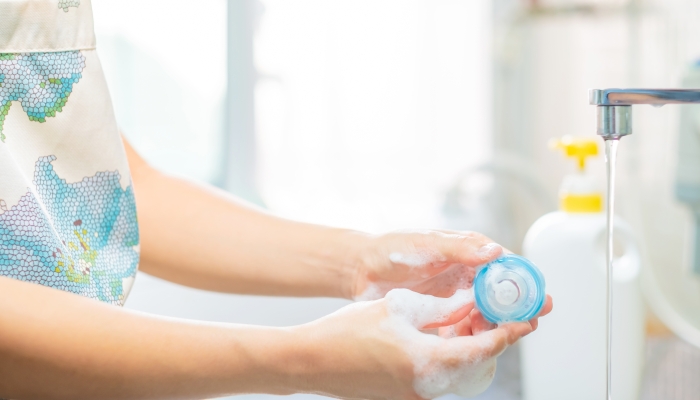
385, 114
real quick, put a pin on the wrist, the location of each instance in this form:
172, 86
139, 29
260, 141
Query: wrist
278, 360
315, 360
297, 361
348, 255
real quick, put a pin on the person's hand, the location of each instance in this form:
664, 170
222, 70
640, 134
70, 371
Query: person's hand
428, 262
376, 349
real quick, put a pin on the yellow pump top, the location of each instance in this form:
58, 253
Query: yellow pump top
577, 194
578, 148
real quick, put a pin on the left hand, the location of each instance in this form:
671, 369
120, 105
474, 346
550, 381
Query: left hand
380, 350
434, 262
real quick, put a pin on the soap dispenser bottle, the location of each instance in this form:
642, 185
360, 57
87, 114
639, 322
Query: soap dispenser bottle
567, 357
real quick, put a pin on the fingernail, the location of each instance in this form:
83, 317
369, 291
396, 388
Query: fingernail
489, 250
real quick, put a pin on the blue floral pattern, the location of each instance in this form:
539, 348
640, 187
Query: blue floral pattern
79, 237
41, 82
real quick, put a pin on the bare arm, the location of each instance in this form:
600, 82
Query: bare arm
57, 345
203, 237
200, 236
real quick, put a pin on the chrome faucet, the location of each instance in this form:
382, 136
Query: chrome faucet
615, 106
615, 121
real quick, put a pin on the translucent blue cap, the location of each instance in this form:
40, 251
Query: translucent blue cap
509, 289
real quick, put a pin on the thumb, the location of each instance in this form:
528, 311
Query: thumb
425, 311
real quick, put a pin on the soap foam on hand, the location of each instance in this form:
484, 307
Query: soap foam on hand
422, 265
461, 365
417, 259
413, 260
455, 276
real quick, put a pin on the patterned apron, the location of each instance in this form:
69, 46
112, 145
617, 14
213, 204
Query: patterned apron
67, 210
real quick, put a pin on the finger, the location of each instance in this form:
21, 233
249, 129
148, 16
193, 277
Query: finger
461, 328
453, 318
534, 323
546, 309
453, 232
469, 248
447, 332
515, 330
479, 323
425, 311
487, 344
447, 282
430, 253
493, 342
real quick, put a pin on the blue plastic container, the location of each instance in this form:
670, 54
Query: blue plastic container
509, 289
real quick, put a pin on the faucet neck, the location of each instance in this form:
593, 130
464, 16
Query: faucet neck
614, 122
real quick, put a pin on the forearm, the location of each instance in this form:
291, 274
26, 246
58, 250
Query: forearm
203, 237
58, 345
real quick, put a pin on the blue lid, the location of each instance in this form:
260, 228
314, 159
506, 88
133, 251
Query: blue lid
509, 289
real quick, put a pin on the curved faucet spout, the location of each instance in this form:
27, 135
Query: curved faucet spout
615, 106
656, 97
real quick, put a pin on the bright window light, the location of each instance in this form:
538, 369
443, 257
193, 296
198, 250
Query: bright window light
166, 69
366, 110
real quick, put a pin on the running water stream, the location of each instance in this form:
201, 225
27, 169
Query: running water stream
610, 159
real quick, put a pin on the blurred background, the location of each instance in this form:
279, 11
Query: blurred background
385, 114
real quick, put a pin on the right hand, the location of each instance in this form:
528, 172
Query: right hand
435, 262
377, 349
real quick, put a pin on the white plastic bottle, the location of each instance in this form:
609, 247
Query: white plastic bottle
566, 358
